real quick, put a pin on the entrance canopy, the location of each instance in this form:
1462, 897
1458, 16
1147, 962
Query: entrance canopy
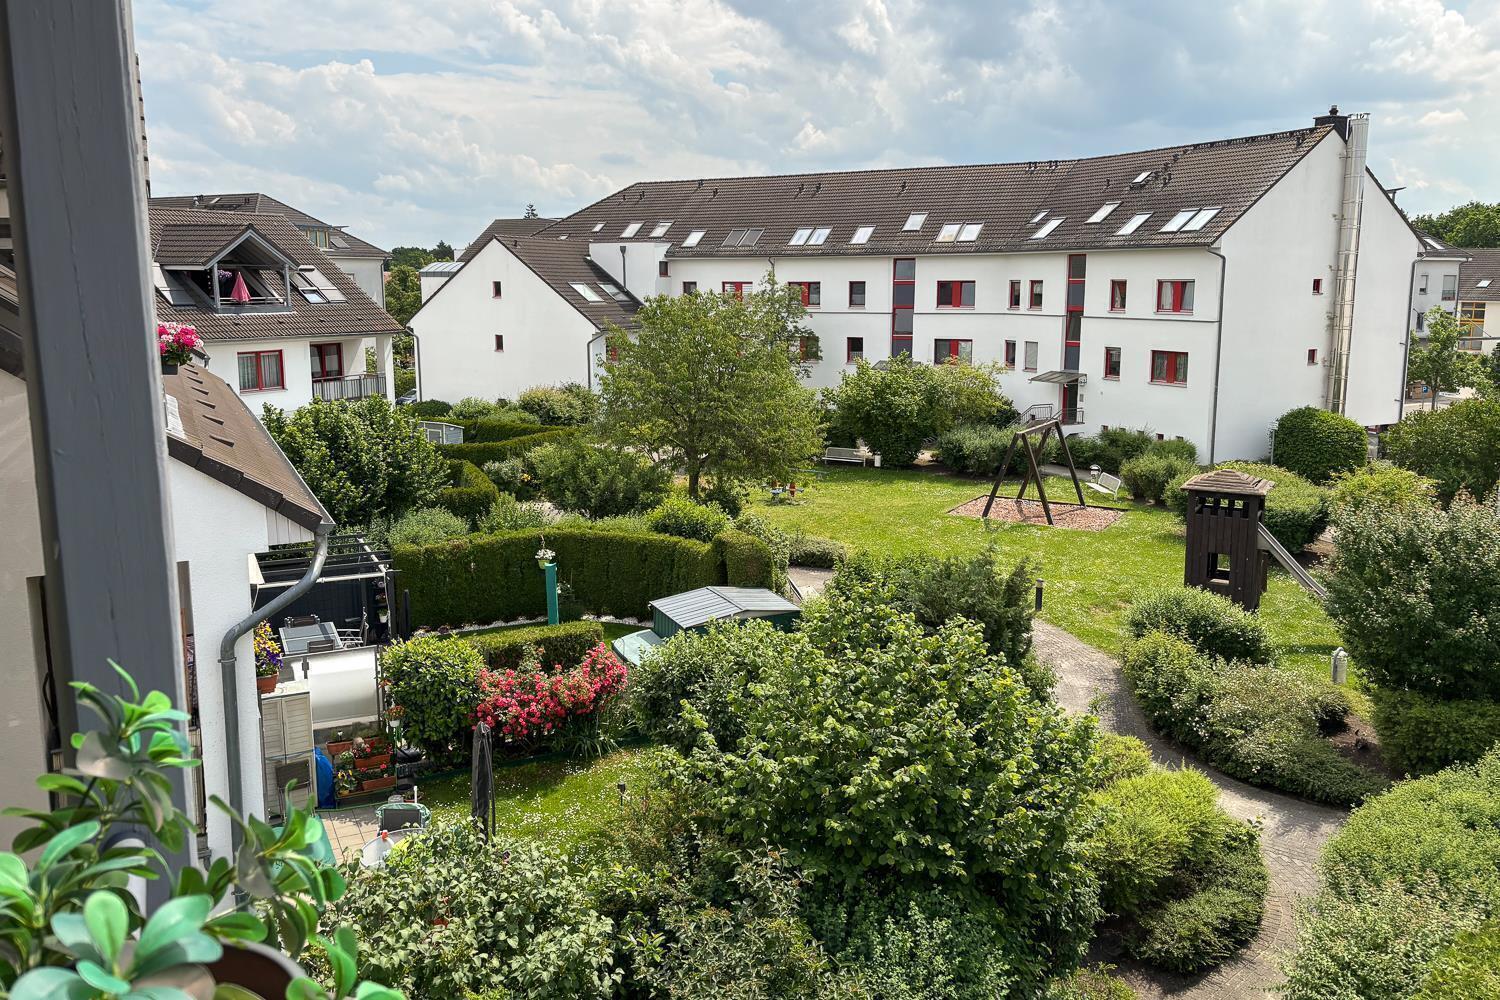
1060, 378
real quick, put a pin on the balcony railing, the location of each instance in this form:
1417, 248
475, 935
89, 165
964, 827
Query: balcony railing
1072, 415
349, 387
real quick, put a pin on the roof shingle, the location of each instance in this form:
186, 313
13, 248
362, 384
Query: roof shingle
1482, 265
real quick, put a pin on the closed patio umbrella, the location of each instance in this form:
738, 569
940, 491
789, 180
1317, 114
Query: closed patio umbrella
240, 293
482, 780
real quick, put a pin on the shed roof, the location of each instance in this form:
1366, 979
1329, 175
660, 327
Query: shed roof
1229, 481
707, 604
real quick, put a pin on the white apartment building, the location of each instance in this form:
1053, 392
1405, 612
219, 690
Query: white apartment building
1198, 291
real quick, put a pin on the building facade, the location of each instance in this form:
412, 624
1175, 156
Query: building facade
1196, 291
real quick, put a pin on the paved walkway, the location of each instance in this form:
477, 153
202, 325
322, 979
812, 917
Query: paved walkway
1292, 831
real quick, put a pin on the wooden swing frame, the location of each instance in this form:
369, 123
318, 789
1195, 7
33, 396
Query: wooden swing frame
1040, 431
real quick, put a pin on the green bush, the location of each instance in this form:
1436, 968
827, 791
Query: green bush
482, 452
405, 380
1110, 449
1296, 510
974, 449
472, 494
1152, 827
1380, 484
766, 563
1420, 735
472, 408
429, 409
1147, 476
1416, 596
815, 552
730, 494
565, 644
1175, 448
426, 526
1470, 967
509, 514
899, 404
511, 476
1458, 446
434, 686
679, 516
1091, 983
519, 921
569, 404
491, 430
598, 481
1318, 444
1119, 757
1214, 625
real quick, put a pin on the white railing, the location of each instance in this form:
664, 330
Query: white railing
349, 386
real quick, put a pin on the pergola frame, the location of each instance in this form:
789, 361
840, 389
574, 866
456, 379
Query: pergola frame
1040, 431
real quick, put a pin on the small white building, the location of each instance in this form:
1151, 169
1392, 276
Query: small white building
1478, 289
1198, 291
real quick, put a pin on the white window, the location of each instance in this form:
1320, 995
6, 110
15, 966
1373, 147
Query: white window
914, 222
584, 290
970, 232
661, 229
862, 235
1135, 223
799, 238
693, 237
1179, 220
613, 291
1482, 283
321, 283
1046, 230
948, 233
818, 237
1142, 176
1030, 357
1200, 220
1104, 211
598, 226
1038, 217
631, 230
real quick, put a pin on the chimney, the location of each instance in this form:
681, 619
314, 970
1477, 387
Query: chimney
1339, 122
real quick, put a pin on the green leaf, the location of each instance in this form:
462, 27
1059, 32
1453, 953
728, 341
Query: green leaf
161, 993
374, 991
51, 984
66, 841
108, 923
304, 989
174, 920
237, 927
13, 874
102, 980
73, 933
97, 759
228, 991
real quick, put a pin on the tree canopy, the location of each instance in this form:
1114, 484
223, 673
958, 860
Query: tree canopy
1439, 364
711, 383
403, 293
1474, 224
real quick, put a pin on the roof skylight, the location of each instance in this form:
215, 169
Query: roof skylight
914, 222
1038, 217
1104, 210
948, 233
631, 230
819, 236
1433, 243
661, 229
799, 238
613, 291
585, 290
1482, 283
862, 235
1046, 230
742, 238
1136, 221
1142, 176
1200, 220
970, 232
693, 237
598, 226
1176, 222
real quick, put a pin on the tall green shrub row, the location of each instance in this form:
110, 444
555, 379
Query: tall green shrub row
472, 493
566, 643
480, 452
1317, 444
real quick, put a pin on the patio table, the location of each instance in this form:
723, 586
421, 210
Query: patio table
296, 638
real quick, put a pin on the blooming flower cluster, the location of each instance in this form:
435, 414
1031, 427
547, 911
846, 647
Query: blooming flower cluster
267, 651
176, 342
530, 703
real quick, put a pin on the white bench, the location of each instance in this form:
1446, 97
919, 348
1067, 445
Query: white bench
1107, 484
849, 455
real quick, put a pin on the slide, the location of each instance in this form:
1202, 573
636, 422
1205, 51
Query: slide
1268, 541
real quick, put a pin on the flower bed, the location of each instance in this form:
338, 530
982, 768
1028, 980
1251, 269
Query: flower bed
530, 703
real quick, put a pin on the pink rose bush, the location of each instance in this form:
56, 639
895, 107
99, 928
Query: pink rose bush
530, 703
176, 342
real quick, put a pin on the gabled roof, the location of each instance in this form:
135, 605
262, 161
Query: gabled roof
1436, 249
1011, 202
182, 230
1482, 265
211, 429
341, 243
503, 228
199, 244
706, 604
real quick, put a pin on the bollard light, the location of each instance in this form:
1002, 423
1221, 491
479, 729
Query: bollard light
1094, 471
1340, 666
1040, 583
621, 787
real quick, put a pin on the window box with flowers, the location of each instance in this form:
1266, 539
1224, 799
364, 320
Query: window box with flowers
267, 659
176, 344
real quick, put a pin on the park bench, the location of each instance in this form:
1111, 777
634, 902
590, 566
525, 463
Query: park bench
1107, 484
848, 455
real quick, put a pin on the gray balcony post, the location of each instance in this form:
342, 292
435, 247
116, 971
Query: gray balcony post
74, 165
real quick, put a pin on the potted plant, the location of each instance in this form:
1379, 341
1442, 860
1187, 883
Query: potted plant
267, 659
544, 556
375, 781
176, 344
370, 755
68, 928
339, 745
346, 781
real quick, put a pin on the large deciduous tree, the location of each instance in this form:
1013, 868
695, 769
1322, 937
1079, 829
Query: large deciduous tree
711, 383
362, 459
1474, 224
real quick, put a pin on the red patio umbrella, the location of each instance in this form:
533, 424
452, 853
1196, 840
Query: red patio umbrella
241, 294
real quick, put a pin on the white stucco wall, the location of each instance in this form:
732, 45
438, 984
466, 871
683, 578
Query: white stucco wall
1377, 352
368, 273
296, 363
546, 339
1422, 300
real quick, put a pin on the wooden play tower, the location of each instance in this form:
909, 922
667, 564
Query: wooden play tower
1225, 553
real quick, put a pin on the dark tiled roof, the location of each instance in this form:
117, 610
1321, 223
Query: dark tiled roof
196, 244
504, 228
1230, 175
210, 428
356, 316
255, 203
1482, 265
561, 264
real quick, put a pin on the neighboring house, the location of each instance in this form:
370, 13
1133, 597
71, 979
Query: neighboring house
307, 329
362, 261
1435, 281
1193, 290
232, 494
1479, 294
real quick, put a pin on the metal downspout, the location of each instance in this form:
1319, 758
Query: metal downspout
1350, 208
1406, 342
1213, 412
227, 663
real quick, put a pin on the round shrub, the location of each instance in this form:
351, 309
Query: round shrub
732, 495
1214, 625
1151, 828
429, 409
433, 686
426, 526
1110, 449
1380, 484
1296, 510
1458, 446
1470, 967
1317, 444
973, 449
472, 408
1091, 983
598, 481
1419, 734
897, 405
562, 405
679, 516
1147, 476
1176, 448
1119, 757
815, 552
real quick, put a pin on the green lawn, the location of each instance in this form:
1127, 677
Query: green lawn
559, 803
1091, 577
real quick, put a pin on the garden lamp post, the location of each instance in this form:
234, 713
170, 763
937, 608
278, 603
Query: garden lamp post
1340, 666
547, 560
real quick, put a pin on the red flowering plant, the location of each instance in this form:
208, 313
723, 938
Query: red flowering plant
176, 342
529, 703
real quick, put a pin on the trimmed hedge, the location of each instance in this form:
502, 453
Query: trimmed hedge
480, 452
485, 578
566, 644
1147, 476
491, 430
1214, 625
816, 552
1296, 510
472, 494
1317, 444
1420, 735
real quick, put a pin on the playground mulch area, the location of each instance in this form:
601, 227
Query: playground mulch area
1064, 515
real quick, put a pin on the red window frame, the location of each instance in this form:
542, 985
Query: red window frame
494, 289
737, 288
955, 351
1179, 288
323, 352
860, 285
1117, 291
802, 347
901, 343
611, 352
260, 371
810, 290
1173, 365
1015, 295
1010, 354
499, 342
1112, 354
689, 288
850, 354
663, 270
1034, 301
1317, 286
1312, 355
955, 298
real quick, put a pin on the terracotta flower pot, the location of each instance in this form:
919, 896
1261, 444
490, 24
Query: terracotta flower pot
379, 762
334, 749
263, 971
378, 784
265, 685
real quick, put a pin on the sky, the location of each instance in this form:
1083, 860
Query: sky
411, 121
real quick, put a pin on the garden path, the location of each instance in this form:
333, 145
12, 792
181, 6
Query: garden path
1292, 831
